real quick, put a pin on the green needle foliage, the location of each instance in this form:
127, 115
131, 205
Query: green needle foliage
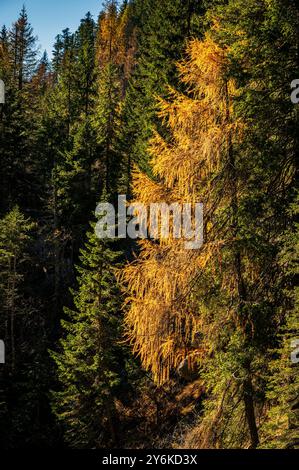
167, 100
88, 367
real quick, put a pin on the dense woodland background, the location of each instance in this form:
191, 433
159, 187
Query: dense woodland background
146, 344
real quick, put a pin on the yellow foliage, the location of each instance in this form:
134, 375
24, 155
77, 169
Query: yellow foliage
113, 45
162, 319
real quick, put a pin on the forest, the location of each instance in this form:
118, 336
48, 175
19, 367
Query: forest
141, 343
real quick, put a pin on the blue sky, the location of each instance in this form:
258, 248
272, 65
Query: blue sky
49, 18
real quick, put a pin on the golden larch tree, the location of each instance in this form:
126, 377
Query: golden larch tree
163, 320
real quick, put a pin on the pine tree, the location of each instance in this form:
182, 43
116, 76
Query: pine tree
272, 151
15, 235
14, 229
85, 70
281, 427
23, 49
205, 160
5, 62
165, 269
18, 124
88, 368
115, 58
162, 27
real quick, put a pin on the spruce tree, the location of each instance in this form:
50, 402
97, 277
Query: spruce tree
162, 28
16, 311
23, 49
88, 368
281, 427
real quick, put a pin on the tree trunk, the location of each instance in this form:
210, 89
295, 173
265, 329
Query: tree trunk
250, 414
241, 288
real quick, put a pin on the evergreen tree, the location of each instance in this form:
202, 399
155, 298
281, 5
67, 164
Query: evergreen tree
114, 70
23, 49
16, 313
14, 230
88, 368
221, 150
162, 30
213, 327
18, 125
281, 427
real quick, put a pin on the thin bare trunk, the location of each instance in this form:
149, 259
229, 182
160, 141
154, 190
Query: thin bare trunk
248, 392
